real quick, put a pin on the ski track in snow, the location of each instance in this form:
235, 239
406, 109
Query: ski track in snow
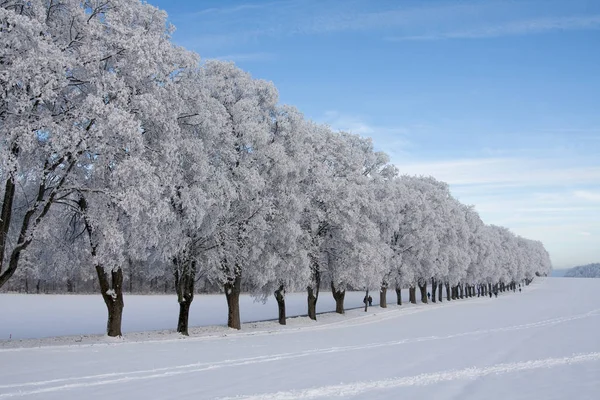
38, 387
356, 388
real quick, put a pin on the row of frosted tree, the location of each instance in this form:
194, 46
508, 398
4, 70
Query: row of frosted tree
119, 148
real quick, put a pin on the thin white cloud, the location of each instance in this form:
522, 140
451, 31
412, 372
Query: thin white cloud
240, 24
358, 125
587, 195
236, 9
553, 210
512, 28
241, 57
506, 171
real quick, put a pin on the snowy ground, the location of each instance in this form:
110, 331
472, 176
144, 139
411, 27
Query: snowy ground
25, 316
539, 344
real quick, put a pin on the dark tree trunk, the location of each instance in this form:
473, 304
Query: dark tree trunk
5, 218
313, 293
383, 296
313, 296
233, 287
37, 286
440, 286
433, 287
185, 279
112, 294
13, 262
423, 288
280, 297
184, 316
461, 291
338, 295
412, 295
130, 275
399, 296
448, 295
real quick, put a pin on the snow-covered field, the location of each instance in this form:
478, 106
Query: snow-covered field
25, 316
539, 344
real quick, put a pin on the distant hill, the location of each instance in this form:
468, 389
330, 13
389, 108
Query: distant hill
584, 271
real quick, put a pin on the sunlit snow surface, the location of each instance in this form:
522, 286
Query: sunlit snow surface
543, 343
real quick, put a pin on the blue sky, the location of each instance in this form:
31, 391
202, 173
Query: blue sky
501, 99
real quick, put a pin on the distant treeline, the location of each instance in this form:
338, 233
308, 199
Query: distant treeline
584, 271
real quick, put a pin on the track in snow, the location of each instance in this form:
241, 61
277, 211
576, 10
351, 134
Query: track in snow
356, 388
60, 384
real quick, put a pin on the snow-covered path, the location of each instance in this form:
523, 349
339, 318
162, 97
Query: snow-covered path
542, 343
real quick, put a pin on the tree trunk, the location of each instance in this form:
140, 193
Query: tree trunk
185, 279
423, 288
383, 296
233, 287
5, 217
130, 275
313, 293
412, 295
313, 296
461, 290
399, 296
184, 316
280, 297
441, 285
112, 293
338, 295
433, 287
